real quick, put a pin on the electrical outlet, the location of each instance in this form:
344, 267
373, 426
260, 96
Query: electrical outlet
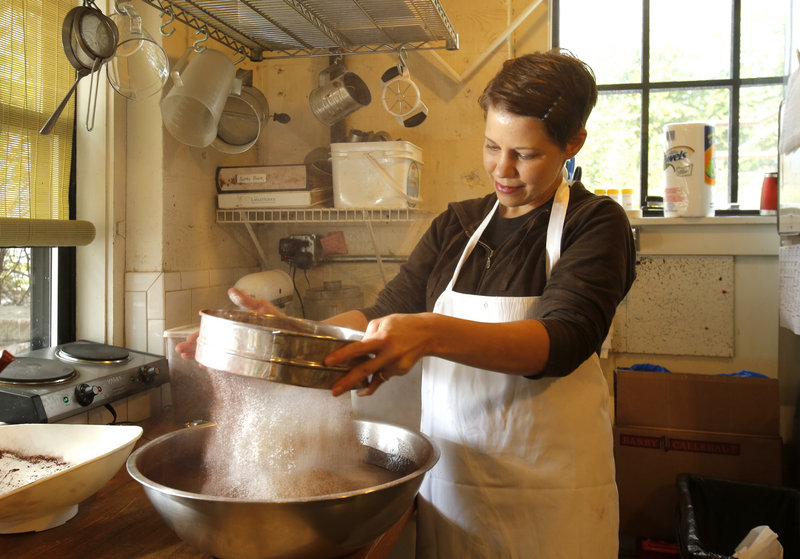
299, 250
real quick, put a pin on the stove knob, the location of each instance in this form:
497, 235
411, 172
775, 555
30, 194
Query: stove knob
85, 393
147, 374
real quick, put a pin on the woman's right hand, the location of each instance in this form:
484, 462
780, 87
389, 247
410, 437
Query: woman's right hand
187, 348
241, 299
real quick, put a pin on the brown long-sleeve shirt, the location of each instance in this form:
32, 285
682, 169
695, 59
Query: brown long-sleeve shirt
593, 275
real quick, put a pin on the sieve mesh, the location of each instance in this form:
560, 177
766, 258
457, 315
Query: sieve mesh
96, 34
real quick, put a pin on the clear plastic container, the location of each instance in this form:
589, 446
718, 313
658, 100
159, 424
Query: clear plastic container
370, 174
190, 384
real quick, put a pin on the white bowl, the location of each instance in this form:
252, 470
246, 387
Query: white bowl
95, 452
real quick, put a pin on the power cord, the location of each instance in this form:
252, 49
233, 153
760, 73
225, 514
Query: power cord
293, 270
113, 413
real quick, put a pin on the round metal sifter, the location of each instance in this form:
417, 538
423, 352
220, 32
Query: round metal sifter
276, 348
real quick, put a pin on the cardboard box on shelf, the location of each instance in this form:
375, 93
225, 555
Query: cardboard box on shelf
275, 199
725, 404
258, 178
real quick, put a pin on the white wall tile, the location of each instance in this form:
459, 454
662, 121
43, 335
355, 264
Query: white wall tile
78, 419
178, 308
155, 336
101, 416
139, 406
210, 298
136, 320
225, 277
155, 299
139, 281
172, 281
194, 279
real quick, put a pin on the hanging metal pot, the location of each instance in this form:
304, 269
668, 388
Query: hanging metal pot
89, 39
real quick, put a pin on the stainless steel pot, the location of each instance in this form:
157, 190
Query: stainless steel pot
322, 527
276, 348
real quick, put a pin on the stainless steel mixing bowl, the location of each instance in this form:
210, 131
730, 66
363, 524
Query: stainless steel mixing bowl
319, 527
277, 348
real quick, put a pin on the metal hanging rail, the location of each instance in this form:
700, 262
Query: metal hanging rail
319, 215
271, 29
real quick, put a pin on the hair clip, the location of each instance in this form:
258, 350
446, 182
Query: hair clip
552, 106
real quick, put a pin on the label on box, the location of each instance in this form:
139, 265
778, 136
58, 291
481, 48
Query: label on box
707, 447
648, 460
251, 179
681, 445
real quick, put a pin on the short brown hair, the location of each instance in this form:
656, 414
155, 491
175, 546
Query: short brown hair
553, 86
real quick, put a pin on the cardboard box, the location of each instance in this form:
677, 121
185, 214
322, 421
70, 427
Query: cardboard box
716, 403
257, 178
648, 460
275, 199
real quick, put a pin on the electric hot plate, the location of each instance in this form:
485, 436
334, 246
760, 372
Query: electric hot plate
50, 384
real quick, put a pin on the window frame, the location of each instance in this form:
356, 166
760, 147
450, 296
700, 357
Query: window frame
734, 84
54, 287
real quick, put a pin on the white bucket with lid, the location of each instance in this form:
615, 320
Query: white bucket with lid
370, 174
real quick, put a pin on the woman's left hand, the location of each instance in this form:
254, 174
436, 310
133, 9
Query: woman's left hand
394, 344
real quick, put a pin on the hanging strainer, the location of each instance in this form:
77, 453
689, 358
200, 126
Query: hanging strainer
89, 39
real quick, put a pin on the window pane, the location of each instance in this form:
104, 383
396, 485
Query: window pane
758, 140
617, 58
610, 157
15, 299
687, 105
690, 40
763, 39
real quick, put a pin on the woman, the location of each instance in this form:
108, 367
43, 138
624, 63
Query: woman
506, 300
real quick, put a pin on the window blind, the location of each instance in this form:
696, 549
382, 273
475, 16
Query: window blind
35, 74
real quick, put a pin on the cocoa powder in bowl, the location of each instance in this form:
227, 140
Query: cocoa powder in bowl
18, 469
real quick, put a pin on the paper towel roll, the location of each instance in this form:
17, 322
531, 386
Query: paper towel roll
688, 169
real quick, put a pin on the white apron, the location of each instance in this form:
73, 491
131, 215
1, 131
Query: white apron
527, 466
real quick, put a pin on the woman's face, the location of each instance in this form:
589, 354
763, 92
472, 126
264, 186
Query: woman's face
524, 164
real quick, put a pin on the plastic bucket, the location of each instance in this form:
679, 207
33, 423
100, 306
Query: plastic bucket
369, 174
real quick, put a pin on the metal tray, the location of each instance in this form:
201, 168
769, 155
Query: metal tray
279, 349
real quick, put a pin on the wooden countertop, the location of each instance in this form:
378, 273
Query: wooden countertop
118, 522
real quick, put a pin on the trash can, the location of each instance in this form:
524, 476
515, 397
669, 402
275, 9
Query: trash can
715, 515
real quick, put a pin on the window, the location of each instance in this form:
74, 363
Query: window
36, 282
37, 298
718, 61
